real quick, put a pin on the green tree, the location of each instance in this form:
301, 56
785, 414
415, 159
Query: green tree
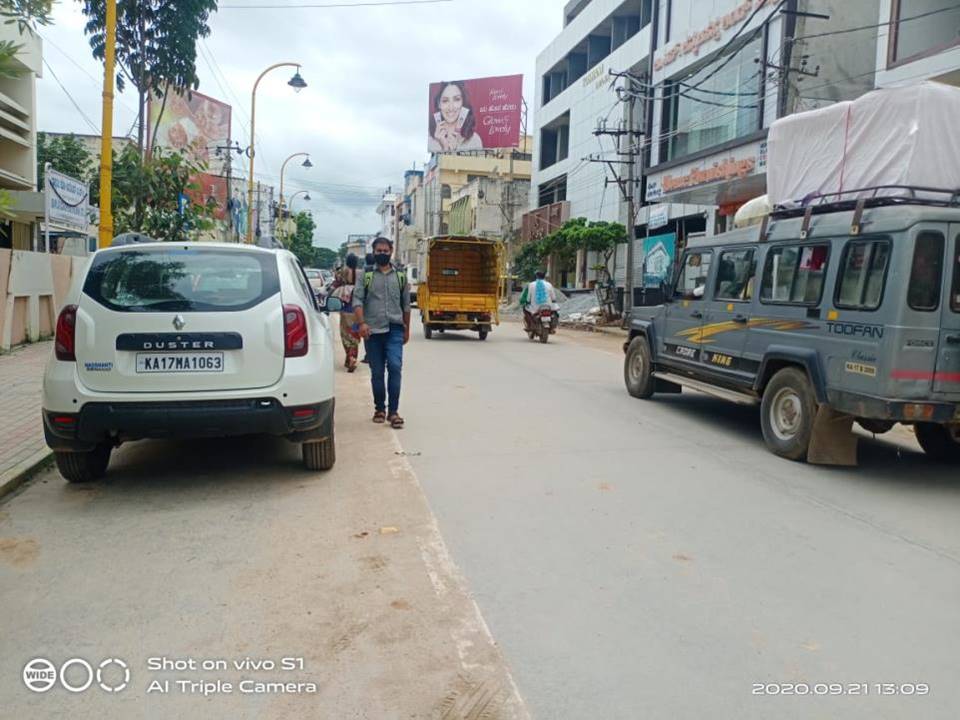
156, 45
147, 196
565, 242
66, 154
325, 258
301, 242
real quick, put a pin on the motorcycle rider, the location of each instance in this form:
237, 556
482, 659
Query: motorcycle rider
537, 295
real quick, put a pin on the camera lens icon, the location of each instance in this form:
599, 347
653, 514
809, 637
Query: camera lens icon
39, 675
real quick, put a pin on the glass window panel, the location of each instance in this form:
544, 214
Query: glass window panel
697, 122
926, 273
735, 275
935, 30
693, 276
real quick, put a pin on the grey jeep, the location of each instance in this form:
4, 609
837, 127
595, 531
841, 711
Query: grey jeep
840, 312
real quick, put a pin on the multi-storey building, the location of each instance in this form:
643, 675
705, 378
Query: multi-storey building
708, 78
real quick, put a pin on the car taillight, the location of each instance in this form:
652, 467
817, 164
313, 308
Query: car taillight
295, 343
65, 344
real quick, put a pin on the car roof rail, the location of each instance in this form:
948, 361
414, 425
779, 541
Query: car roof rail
870, 197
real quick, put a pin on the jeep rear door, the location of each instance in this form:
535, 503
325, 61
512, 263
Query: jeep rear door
946, 379
180, 318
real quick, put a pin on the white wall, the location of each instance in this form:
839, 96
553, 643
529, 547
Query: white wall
588, 99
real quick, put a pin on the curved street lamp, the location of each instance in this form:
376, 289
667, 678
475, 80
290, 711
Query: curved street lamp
306, 163
306, 198
297, 83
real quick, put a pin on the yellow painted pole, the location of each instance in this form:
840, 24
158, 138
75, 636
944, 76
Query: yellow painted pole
252, 150
106, 129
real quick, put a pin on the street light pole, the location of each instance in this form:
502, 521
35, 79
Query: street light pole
297, 83
306, 164
306, 197
106, 132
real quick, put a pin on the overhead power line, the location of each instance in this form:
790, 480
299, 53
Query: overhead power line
332, 5
89, 122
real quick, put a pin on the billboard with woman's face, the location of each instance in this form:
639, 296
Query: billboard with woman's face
475, 114
195, 125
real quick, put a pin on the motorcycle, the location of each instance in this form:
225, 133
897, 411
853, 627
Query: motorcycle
541, 324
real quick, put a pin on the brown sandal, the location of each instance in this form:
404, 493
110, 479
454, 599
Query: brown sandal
379, 417
396, 422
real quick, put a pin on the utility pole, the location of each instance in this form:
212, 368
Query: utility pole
625, 180
631, 198
106, 128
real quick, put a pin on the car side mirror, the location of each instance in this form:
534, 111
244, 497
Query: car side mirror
333, 305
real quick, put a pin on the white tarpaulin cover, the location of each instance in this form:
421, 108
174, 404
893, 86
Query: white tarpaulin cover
899, 136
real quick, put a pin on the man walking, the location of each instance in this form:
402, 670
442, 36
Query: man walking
382, 306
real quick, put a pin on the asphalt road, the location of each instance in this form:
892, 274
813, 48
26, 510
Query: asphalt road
630, 559
650, 559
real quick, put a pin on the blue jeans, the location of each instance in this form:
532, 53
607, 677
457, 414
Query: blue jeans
385, 352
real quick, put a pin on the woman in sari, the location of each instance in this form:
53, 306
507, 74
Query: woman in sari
343, 289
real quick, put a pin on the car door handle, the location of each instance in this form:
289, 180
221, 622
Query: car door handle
742, 319
953, 339
697, 314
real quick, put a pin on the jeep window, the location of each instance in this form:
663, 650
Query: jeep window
735, 275
181, 279
692, 281
863, 272
955, 285
794, 274
926, 273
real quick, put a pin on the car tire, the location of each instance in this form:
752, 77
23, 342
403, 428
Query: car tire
81, 467
787, 414
938, 442
483, 334
319, 455
427, 332
638, 369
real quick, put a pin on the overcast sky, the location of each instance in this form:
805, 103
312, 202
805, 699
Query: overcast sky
363, 116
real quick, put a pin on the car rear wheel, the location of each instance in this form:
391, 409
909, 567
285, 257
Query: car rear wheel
637, 369
319, 455
940, 442
787, 413
80, 467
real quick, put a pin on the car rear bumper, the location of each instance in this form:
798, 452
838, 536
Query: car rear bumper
116, 422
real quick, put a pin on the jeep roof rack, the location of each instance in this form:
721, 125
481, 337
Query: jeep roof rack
869, 197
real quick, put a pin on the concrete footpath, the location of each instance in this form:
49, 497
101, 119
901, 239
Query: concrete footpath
22, 448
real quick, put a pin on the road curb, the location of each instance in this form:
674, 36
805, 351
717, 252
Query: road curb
16, 476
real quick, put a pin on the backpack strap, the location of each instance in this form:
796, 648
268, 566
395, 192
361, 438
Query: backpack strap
368, 280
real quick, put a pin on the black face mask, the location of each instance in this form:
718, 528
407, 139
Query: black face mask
381, 259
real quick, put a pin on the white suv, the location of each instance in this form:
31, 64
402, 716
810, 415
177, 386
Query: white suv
187, 340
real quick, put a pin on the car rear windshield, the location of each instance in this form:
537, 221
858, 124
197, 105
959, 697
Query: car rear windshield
181, 279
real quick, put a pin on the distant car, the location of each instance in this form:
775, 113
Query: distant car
188, 340
317, 279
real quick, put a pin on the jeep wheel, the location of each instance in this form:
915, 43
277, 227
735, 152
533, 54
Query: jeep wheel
787, 413
637, 369
940, 442
319, 455
79, 467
